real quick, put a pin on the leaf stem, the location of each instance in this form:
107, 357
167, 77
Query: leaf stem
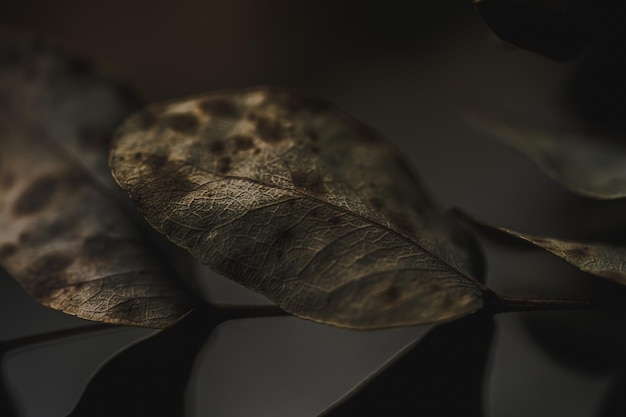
20, 342
233, 312
496, 303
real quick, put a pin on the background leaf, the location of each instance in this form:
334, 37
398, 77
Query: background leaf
615, 403
300, 202
441, 375
549, 27
65, 234
589, 164
150, 377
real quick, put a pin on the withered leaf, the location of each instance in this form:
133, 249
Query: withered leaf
150, 377
588, 164
606, 261
65, 236
300, 202
441, 375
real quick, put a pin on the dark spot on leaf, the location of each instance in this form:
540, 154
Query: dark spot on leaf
7, 180
223, 165
309, 182
579, 252
6, 250
133, 310
148, 119
391, 294
36, 197
79, 66
151, 160
243, 143
220, 107
185, 123
158, 161
270, 131
252, 116
283, 237
46, 274
376, 203
24, 237
257, 151
216, 146
335, 220
315, 150
313, 136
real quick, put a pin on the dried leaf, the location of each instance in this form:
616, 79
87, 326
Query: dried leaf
150, 377
441, 375
591, 166
65, 236
606, 261
300, 202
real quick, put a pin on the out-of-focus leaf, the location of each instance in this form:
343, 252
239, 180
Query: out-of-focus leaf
605, 261
615, 402
7, 405
65, 234
549, 27
302, 203
588, 165
584, 341
441, 375
150, 377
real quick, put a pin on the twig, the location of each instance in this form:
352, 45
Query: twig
8, 345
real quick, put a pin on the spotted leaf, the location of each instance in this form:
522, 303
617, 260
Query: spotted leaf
294, 199
65, 233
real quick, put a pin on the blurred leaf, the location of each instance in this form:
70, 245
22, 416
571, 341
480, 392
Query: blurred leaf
65, 234
615, 402
302, 203
7, 405
584, 341
588, 165
549, 27
150, 377
441, 375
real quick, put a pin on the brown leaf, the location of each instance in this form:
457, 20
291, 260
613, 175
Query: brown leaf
588, 164
64, 235
300, 202
605, 261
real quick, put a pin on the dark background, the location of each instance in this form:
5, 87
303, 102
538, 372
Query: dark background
409, 69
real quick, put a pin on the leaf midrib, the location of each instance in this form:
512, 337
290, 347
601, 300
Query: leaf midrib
410, 241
